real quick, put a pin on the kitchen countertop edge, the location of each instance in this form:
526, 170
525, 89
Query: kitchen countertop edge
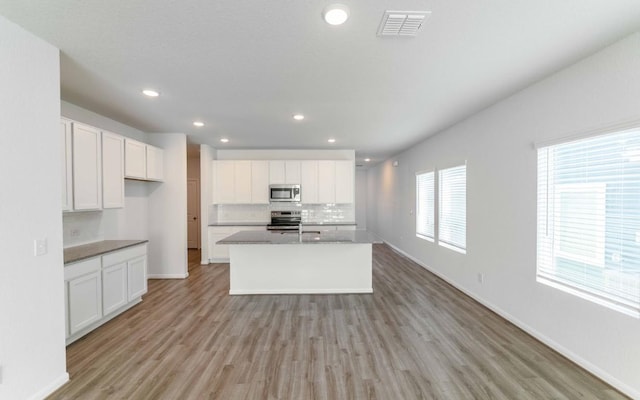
326, 237
89, 250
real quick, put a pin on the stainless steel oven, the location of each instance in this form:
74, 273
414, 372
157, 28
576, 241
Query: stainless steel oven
284, 193
285, 221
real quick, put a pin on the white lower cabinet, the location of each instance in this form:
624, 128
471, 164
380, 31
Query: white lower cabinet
220, 252
114, 285
84, 294
217, 252
137, 276
100, 288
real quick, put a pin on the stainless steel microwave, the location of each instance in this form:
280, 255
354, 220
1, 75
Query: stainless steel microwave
285, 193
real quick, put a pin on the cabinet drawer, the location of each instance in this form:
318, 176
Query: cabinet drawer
119, 256
80, 268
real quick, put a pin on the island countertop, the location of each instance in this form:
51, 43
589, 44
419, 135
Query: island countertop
307, 237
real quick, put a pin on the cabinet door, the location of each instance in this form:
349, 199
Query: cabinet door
309, 181
85, 301
276, 172
292, 172
259, 182
326, 181
87, 168
242, 182
219, 252
345, 176
112, 170
137, 277
67, 173
135, 164
114, 287
225, 182
155, 163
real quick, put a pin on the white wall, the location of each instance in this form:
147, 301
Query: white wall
361, 194
599, 91
32, 348
168, 210
206, 156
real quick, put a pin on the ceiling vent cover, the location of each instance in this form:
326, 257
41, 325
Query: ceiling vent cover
402, 23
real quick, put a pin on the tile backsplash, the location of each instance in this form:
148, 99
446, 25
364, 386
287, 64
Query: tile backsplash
261, 213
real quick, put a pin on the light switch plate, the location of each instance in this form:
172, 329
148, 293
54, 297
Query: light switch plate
40, 247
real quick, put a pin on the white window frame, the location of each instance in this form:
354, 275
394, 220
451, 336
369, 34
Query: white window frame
444, 215
601, 274
430, 236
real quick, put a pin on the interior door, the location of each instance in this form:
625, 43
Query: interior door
193, 213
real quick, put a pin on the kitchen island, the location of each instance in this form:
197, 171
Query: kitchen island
263, 262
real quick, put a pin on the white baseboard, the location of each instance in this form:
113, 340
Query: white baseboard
593, 369
300, 291
168, 276
50, 388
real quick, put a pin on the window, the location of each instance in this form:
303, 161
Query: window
425, 205
589, 219
452, 208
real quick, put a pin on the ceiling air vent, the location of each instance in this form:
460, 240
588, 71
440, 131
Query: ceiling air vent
402, 23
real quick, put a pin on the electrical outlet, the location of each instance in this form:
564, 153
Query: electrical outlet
480, 278
40, 247
75, 233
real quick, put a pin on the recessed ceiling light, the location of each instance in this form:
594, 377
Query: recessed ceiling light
332, 140
199, 124
151, 93
224, 140
298, 117
367, 159
335, 14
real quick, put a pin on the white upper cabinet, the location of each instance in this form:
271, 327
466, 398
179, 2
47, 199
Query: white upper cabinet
247, 182
240, 182
276, 172
242, 175
155, 163
224, 188
284, 172
259, 182
135, 159
112, 170
87, 171
309, 181
345, 182
143, 161
66, 158
292, 172
326, 181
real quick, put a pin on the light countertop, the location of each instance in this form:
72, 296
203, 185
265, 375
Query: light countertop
77, 253
309, 237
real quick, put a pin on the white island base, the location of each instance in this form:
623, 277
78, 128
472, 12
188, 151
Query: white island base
300, 268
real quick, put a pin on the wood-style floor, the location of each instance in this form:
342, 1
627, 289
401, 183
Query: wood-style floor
415, 337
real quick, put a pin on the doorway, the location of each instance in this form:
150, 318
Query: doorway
193, 213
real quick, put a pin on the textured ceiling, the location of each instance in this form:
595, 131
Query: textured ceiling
244, 67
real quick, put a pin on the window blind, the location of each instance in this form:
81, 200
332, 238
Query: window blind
589, 219
452, 208
425, 204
